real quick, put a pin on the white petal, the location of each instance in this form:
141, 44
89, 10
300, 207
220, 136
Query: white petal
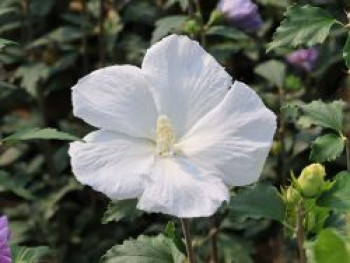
178, 188
116, 98
186, 81
233, 140
114, 164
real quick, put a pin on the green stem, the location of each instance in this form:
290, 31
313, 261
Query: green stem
347, 146
301, 232
214, 240
188, 239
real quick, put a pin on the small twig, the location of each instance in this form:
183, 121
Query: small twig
301, 232
27, 21
188, 239
281, 133
102, 51
214, 240
84, 39
347, 146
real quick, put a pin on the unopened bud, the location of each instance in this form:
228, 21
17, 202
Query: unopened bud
216, 17
292, 195
311, 180
192, 27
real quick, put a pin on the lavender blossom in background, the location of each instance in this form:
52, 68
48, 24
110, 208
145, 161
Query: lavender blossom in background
305, 58
243, 13
5, 251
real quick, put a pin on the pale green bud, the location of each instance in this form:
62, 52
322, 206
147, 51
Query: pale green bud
311, 180
292, 195
216, 17
192, 27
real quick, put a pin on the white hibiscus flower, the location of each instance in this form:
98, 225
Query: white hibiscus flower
172, 134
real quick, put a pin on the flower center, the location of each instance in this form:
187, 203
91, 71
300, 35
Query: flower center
165, 137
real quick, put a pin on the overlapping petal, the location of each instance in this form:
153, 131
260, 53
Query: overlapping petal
116, 98
186, 81
112, 163
5, 251
233, 140
179, 188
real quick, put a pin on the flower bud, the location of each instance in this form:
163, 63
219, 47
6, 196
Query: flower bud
292, 195
311, 180
243, 13
216, 17
305, 58
192, 27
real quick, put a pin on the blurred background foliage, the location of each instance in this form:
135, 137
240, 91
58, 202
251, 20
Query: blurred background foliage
59, 41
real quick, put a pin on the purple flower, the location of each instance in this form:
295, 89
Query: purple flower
5, 251
304, 58
244, 13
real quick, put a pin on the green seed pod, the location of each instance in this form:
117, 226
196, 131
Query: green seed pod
292, 195
311, 180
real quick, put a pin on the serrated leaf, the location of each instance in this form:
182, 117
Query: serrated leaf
37, 133
346, 52
338, 196
273, 71
118, 210
28, 254
227, 32
31, 75
327, 115
329, 247
145, 249
303, 25
327, 147
260, 201
167, 25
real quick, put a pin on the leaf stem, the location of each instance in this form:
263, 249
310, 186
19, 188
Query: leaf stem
214, 240
347, 146
300, 232
188, 239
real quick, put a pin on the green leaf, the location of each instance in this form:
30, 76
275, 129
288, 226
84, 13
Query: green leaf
145, 249
338, 196
31, 75
167, 25
28, 254
16, 183
346, 52
303, 25
118, 210
327, 148
183, 4
63, 34
261, 201
37, 133
5, 42
277, 3
226, 32
329, 247
273, 71
170, 232
327, 115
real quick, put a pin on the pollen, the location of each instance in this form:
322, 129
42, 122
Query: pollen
165, 137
